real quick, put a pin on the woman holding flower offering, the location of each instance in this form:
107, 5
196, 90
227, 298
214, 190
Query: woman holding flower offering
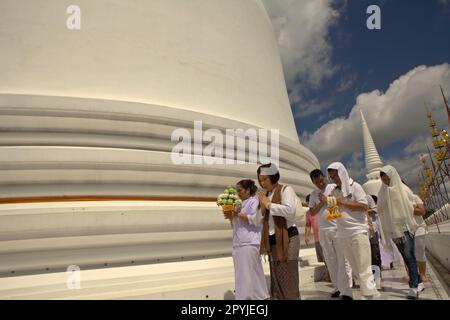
250, 282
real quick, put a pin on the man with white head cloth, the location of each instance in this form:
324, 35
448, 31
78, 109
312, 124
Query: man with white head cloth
396, 207
353, 228
338, 266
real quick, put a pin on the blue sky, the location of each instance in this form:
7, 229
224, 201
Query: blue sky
413, 32
353, 61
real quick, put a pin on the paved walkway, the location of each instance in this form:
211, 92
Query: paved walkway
393, 287
210, 279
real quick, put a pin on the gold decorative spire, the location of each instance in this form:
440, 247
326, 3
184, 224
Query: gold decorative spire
440, 140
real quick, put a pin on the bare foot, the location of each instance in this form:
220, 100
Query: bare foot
424, 278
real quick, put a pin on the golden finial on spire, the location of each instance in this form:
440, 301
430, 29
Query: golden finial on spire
440, 139
445, 136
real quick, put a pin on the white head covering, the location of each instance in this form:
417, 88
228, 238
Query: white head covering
343, 175
395, 202
269, 171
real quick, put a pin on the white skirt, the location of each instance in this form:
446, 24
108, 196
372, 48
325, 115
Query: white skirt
250, 281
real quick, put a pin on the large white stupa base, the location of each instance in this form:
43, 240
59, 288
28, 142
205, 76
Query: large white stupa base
124, 249
43, 237
71, 147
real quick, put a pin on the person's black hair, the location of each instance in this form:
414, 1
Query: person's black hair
316, 173
382, 174
248, 184
375, 198
274, 178
307, 198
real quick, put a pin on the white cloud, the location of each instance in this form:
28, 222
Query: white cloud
346, 82
408, 169
444, 3
312, 107
301, 28
399, 113
356, 166
419, 145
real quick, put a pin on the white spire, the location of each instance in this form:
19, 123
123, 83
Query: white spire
373, 161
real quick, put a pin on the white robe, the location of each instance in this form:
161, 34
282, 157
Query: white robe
395, 208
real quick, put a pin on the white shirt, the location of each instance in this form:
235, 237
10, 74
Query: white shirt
352, 222
286, 209
323, 211
422, 229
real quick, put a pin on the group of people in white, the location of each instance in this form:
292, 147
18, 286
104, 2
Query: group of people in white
264, 225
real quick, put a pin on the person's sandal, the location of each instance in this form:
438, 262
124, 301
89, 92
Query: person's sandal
335, 294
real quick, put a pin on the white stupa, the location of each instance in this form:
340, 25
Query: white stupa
373, 161
89, 113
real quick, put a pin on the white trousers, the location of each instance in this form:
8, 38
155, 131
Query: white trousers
357, 250
338, 267
420, 248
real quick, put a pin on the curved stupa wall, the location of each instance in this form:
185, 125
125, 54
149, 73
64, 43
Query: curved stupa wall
90, 112
108, 96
